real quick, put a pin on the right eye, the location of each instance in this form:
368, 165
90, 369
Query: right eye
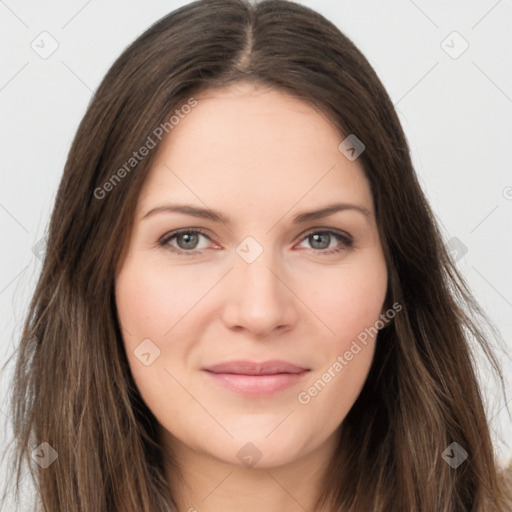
186, 240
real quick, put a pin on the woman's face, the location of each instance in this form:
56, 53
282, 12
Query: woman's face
265, 279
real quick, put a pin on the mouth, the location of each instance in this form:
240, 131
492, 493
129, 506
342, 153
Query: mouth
256, 379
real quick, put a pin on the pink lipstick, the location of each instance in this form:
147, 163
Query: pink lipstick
256, 379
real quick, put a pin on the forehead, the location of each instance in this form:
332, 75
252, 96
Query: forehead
246, 144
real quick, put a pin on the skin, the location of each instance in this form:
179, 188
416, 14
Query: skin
260, 157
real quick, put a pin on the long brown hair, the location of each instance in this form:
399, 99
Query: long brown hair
72, 386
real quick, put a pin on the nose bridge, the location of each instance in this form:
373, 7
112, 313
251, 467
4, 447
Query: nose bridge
256, 271
258, 299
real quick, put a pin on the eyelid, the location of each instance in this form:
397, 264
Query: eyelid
343, 234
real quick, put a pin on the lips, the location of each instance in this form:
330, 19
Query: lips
253, 368
253, 379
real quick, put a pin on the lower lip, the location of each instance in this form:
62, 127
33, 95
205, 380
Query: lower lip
257, 385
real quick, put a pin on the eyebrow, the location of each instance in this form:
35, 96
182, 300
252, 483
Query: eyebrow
215, 216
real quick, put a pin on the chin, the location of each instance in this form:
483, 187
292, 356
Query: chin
254, 450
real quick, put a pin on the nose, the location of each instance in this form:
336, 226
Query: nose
258, 297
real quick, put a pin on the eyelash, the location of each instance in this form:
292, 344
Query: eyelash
344, 239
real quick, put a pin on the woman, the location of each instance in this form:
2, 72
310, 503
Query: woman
246, 303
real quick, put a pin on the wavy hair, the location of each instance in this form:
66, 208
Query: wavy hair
72, 386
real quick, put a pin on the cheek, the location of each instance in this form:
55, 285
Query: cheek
325, 400
351, 304
158, 309
351, 300
151, 300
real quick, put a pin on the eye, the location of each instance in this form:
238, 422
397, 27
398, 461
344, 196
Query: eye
322, 241
186, 239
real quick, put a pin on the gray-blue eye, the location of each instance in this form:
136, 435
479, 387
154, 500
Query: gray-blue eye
320, 241
186, 240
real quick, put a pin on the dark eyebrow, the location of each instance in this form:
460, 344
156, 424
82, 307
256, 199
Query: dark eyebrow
209, 214
329, 210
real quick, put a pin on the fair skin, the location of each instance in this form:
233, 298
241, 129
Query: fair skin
259, 157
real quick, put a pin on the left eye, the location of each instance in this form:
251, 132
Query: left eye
187, 241
322, 240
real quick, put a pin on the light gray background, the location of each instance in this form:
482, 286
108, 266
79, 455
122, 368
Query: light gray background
456, 112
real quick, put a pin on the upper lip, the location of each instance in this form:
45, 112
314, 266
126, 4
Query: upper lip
254, 368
